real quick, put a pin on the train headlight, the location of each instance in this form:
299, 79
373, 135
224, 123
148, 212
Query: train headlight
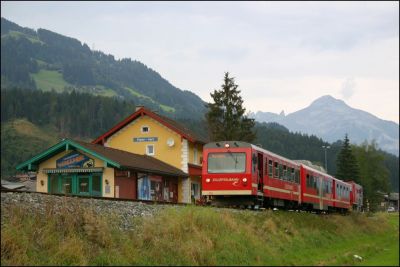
227, 145
244, 180
208, 180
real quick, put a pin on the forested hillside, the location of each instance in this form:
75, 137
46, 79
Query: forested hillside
68, 90
84, 116
46, 60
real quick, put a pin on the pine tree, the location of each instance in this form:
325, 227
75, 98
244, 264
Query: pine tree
347, 166
225, 117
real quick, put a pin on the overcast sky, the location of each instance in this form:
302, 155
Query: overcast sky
283, 55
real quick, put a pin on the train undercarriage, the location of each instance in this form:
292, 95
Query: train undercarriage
261, 203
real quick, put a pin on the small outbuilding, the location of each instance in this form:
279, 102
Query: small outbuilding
79, 168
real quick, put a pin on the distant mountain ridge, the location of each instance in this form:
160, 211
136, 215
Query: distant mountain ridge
47, 60
331, 118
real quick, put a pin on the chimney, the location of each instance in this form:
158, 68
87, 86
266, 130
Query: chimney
139, 107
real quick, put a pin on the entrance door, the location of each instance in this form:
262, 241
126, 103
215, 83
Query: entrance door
84, 185
173, 192
66, 184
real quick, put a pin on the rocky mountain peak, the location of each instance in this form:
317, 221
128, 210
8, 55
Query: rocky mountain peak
328, 100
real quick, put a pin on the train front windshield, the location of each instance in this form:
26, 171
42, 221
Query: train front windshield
228, 162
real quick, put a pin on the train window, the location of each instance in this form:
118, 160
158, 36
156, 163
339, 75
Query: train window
266, 167
254, 161
230, 162
308, 181
314, 182
270, 168
284, 176
292, 178
276, 174
280, 171
297, 176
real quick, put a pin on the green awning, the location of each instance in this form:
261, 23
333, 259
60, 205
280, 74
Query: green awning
71, 170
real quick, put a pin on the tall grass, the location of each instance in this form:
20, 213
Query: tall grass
192, 236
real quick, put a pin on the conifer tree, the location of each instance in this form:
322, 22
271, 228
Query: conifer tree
373, 172
225, 117
347, 166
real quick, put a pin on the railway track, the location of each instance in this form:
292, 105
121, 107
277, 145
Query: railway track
153, 202
150, 202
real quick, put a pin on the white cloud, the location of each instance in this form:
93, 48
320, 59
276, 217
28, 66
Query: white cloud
284, 55
348, 88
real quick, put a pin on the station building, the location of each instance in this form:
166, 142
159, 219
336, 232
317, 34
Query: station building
146, 132
78, 168
146, 156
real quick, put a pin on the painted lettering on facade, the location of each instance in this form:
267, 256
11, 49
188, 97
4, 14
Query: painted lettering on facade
75, 160
225, 179
145, 139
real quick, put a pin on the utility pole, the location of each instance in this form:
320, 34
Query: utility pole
326, 161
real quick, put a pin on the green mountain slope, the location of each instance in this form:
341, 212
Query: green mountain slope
21, 140
46, 60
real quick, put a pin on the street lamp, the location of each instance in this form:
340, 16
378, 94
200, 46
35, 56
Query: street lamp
326, 163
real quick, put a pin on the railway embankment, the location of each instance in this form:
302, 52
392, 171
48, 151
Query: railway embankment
39, 229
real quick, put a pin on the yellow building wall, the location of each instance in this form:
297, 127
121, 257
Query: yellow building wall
178, 155
108, 173
123, 139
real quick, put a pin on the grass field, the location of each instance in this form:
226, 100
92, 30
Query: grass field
137, 94
16, 35
198, 236
50, 79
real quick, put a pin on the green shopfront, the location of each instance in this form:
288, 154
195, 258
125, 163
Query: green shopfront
75, 174
78, 168
75, 184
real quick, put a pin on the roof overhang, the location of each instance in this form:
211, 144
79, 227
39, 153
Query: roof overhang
64, 145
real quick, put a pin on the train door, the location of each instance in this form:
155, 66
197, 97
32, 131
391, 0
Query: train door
320, 186
260, 177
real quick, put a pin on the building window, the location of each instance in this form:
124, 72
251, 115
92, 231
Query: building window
145, 129
150, 150
195, 154
75, 184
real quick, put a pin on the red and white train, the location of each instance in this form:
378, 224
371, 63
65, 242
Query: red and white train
239, 173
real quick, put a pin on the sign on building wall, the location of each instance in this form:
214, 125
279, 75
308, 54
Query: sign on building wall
145, 139
119, 173
74, 160
150, 187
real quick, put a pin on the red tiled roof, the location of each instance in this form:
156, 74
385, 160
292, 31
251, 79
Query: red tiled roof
134, 161
173, 125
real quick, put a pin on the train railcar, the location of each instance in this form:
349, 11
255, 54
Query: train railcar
356, 196
317, 189
239, 173
341, 195
230, 173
